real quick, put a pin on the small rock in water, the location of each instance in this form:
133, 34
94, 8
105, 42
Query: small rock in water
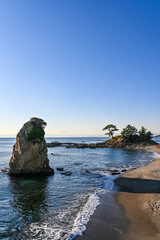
114, 170
115, 173
78, 163
118, 169
5, 170
67, 173
86, 170
60, 169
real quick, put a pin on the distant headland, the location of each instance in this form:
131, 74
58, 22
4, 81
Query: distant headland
157, 136
130, 137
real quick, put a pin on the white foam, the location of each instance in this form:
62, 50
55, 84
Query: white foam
84, 215
52, 230
45, 231
156, 155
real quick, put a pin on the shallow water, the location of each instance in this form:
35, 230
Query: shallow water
58, 207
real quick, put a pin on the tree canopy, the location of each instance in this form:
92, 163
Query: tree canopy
145, 135
129, 133
111, 129
35, 131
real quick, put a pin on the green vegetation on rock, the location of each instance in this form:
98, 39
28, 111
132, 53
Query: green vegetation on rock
35, 133
145, 135
129, 134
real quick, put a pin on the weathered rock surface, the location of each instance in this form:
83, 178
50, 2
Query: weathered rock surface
29, 154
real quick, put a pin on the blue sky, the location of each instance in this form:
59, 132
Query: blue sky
79, 65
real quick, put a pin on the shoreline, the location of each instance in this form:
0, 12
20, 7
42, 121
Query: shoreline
140, 198
106, 222
135, 206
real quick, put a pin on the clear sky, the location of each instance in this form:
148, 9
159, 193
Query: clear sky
79, 64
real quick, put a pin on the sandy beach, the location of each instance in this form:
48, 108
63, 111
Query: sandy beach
131, 212
140, 197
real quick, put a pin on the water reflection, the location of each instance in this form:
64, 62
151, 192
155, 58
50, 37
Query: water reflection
29, 196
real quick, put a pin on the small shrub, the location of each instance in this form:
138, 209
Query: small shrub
35, 133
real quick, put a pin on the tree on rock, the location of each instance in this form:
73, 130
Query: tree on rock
130, 132
145, 135
111, 129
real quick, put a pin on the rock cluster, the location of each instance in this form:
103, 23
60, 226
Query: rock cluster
29, 154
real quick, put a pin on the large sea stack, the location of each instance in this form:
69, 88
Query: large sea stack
30, 151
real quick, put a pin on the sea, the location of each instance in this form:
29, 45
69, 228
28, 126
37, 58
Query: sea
58, 207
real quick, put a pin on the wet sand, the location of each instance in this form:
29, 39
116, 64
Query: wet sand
108, 221
132, 212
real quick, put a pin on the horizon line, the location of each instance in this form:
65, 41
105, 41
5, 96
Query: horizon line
64, 136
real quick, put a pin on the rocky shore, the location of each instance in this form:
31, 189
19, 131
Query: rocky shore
116, 142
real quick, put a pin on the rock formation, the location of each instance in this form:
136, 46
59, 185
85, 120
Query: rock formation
30, 151
115, 142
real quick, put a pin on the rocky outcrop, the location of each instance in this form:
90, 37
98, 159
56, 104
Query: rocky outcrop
116, 142
30, 151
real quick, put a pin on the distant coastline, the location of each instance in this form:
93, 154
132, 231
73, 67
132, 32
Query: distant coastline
115, 142
158, 136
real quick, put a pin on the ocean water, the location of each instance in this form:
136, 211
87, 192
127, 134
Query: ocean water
58, 207
157, 140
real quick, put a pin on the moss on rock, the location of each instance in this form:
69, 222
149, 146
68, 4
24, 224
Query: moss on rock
35, 133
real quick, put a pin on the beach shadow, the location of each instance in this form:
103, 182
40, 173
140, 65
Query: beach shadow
136, 185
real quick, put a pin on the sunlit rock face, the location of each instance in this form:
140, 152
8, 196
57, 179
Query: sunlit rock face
29, 154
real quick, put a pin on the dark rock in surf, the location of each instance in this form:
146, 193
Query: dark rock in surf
60, 169
67, 173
